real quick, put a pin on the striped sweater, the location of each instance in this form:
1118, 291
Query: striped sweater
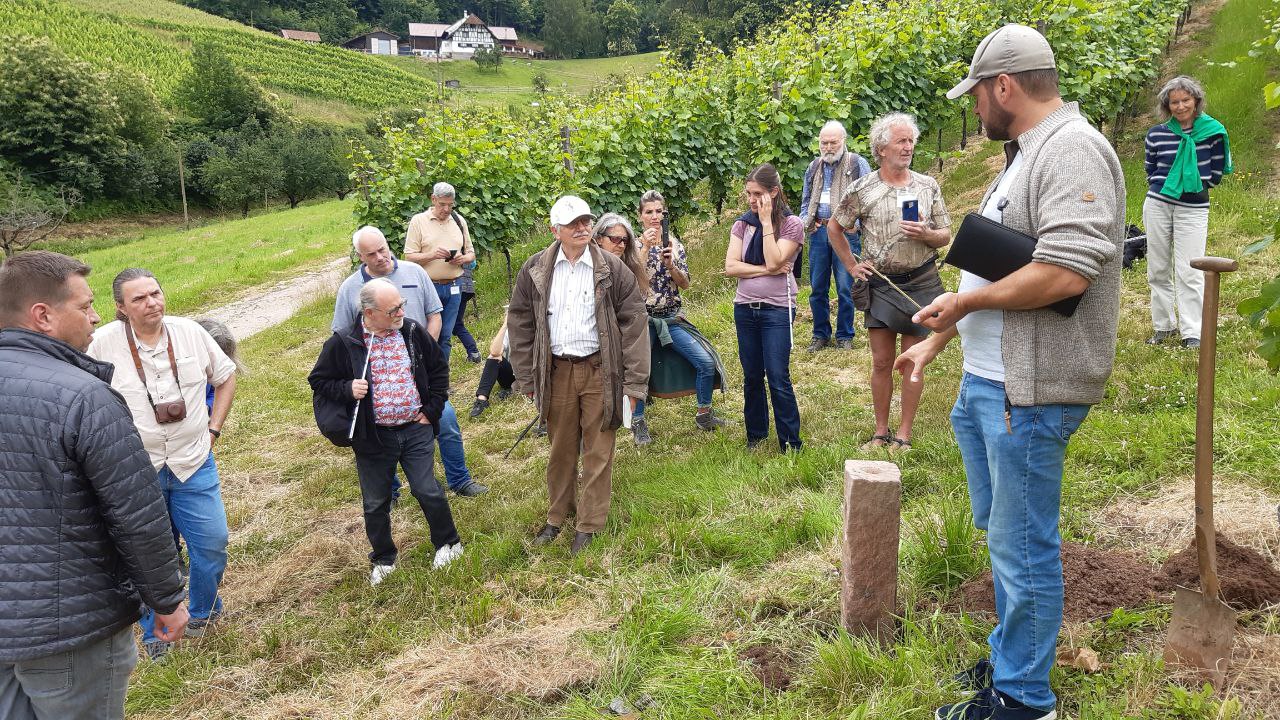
1162, 147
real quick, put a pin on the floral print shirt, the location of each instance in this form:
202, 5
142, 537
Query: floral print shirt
664, 296
395, 395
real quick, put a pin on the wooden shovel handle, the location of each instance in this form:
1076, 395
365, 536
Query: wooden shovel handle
1206, 537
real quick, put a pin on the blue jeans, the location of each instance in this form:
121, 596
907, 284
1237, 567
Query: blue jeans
460, 330
87, 682
196, 509
1015, 488
764, 347
704, 365
411, 447
451, 299
822, 264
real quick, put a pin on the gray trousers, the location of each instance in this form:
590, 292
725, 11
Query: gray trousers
87, 683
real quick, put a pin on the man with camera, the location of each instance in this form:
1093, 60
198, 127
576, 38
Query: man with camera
162, 365
439, 241
422, 305
83, 530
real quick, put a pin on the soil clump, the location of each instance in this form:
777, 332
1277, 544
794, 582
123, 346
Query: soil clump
1097, 581
770, 666
1248, 580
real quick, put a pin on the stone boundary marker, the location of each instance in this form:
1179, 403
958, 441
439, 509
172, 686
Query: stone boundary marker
869, 551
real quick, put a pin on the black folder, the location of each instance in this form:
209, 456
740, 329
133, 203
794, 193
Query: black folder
992, 251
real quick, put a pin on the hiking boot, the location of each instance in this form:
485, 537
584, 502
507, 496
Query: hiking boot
503, 394
380, 573
846, 344
540, 431
156, 650
446, 555
471, 489
197, 626
640, 432
1159, 337
546, 534
474, 357
478, 407
580, 542
817, 344
1190, 343
708, 420
977, 677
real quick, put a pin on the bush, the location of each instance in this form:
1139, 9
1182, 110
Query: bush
219, 94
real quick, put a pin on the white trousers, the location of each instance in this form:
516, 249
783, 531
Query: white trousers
1176, 235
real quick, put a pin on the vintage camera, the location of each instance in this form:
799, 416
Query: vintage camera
170, 412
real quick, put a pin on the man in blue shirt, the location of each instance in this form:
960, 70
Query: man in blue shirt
422, 305
825, 182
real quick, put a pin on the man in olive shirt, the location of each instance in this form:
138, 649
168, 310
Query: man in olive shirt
439, 241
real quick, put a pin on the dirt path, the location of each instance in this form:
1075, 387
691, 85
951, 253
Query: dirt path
269, 306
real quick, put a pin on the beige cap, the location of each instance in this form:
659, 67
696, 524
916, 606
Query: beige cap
569, 208
1011, 49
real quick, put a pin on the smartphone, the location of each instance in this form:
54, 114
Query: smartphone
910, 208
452, 254
666, 230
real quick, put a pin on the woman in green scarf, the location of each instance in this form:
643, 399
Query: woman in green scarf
1185, 157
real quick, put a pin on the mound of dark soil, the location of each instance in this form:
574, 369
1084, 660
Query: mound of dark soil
770, 666
1247, 579
1097, 581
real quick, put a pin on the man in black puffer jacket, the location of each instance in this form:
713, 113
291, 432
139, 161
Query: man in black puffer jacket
84, 535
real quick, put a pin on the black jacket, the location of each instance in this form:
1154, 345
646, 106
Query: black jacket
84, 535
342, 360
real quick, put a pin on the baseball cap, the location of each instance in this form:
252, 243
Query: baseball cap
569, 208
1011, 49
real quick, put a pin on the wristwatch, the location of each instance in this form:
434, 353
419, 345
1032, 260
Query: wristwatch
215, 433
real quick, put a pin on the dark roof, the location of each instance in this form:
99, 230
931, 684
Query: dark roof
304, 35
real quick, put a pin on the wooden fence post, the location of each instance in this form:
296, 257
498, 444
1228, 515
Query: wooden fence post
182, 189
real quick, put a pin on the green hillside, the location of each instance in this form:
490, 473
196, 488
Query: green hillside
154, 37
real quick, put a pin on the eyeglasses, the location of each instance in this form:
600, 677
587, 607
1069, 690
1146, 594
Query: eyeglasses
396, 310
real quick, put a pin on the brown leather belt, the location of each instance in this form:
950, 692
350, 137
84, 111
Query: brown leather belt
575, 359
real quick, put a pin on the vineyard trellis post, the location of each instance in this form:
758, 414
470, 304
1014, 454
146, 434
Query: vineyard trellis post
566, 145
182, 190
964, 128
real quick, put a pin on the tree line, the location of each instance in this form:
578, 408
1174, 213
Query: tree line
570, 28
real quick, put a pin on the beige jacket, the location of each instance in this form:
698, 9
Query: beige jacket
620, 316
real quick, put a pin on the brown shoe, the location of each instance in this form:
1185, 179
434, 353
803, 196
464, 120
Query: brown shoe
546, 535
580, 541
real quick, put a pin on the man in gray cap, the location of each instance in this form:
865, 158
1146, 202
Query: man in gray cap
579, 344
1030, 374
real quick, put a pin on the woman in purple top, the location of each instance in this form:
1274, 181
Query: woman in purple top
763, 244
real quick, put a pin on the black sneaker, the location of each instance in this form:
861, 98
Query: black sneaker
640, 432
478, 407
504, 393
1190, 343
471, 489
708, 420
1006, 708
1159, 336
817, 344
979, 707
474, 357
975, 678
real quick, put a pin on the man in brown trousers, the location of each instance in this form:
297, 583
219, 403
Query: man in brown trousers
579, 344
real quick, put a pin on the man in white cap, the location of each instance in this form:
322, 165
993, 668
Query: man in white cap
1030, 374
579, 344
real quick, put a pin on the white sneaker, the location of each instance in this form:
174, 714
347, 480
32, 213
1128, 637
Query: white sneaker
380, 573
446, 555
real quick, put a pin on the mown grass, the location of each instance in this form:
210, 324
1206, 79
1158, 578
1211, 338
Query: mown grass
210, 265
710, 549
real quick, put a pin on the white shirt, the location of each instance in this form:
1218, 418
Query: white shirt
182, 445
981, 332
572, 306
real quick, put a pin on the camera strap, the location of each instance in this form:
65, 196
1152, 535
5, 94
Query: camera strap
137, 363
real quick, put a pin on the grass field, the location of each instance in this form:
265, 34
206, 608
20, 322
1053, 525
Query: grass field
712, 551
209, 266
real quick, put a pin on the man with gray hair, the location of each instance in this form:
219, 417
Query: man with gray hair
825, 182
439, 241
387, 413
422, 305
1030, 373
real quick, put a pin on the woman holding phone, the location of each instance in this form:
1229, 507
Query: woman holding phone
904, 222
763, 244
667, 267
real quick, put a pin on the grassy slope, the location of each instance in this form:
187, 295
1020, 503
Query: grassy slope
710, 549
208, 266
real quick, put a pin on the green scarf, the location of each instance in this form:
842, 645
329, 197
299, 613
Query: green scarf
1184, 174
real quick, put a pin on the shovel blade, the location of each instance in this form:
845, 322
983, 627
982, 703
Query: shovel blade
1201, 633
